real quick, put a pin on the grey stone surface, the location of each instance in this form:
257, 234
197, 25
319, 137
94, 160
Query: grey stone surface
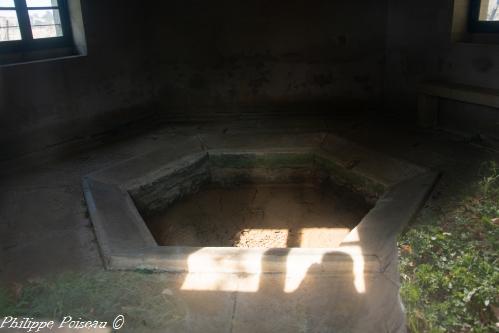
264, 141
169, 182
379, 229
131, 172
118, 225
423, 44
44, 230
145, 64
380, 168
166, 184
168, 174
235, 260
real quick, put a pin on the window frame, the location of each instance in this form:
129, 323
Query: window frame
28, 43
477, 26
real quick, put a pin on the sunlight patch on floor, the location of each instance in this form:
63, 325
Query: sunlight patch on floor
358, 260
242, 270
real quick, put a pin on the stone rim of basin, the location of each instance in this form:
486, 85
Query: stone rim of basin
126, 243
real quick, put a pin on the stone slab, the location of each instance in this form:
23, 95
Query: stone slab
360, 276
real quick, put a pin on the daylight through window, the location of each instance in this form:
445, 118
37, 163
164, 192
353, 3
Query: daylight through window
484, 16
33, 24
489, 10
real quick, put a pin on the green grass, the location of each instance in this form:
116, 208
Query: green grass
449, 272
97, 296
449, 263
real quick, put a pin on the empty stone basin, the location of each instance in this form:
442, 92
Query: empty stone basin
316, 192
254, 199
305, 215
227, 211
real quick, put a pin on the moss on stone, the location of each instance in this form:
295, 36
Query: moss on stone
262, 160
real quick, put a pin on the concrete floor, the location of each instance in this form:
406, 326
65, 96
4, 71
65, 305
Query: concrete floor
45, 230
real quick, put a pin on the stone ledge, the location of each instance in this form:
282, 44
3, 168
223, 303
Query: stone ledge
122, 233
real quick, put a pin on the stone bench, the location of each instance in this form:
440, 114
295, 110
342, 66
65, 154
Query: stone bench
430, 93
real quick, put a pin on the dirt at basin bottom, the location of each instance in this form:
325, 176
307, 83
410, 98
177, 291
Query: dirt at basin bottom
264, 216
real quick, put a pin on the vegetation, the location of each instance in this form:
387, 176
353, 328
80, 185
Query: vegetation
449, 264
449, 269
144, 299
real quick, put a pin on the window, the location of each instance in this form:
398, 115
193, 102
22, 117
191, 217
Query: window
27, 25
484, 16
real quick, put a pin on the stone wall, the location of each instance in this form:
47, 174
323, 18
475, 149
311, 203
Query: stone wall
428, 40
50, 102
253, 58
